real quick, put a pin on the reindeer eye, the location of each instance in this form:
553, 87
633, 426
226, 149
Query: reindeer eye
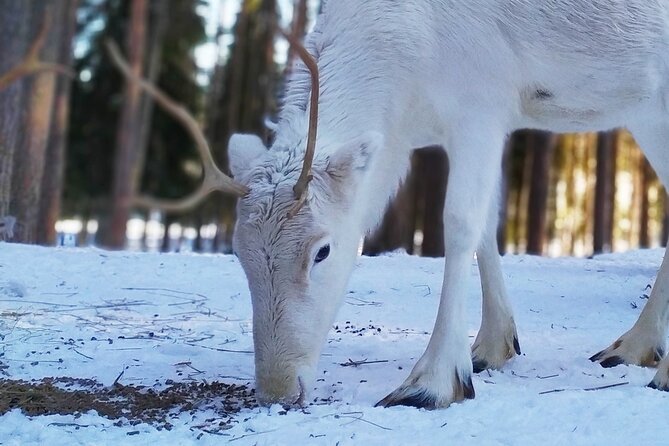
322, 254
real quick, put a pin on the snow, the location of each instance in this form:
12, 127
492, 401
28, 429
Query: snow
88, 313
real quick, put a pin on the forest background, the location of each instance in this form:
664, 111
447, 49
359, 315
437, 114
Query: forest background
78, 142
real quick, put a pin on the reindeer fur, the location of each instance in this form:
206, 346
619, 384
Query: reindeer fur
396, 75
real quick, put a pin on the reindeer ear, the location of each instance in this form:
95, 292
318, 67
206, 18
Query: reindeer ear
244, 152
354, 156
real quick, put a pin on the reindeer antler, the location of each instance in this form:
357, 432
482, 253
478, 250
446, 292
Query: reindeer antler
302, 185
31, 63
214, 179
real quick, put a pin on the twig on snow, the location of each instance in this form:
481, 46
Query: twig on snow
251, 435
117, 378
352, 363
548, 376
587, 389
358, 416
590, 389
81, 354
226, 350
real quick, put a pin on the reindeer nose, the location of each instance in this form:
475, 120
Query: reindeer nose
266, 394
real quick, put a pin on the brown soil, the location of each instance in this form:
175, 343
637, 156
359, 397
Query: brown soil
130, 405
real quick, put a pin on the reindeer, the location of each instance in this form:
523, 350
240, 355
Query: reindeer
396, 75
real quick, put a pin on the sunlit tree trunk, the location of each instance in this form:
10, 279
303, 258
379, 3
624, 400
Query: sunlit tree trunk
52, 182
127, 157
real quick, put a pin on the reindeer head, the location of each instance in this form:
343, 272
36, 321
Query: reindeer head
297, 253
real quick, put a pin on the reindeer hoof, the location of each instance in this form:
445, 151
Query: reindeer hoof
607, 361
494, 356
661, 379
419, 398
479, 365
626, 351
656, 386
414, 395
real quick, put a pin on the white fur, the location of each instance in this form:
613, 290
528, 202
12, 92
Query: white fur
397, 75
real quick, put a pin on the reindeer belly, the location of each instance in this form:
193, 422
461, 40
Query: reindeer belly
591, 101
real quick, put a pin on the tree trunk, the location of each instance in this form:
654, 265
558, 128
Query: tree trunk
434, 176
246, 98
665, 220
15, 35
503, 206
298, 29
29, 159
605, 189
52, 181
398, 225
127, 157
646, 172
542, 145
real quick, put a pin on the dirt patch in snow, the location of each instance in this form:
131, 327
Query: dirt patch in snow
128, 405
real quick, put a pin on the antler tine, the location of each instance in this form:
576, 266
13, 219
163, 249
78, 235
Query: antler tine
214, 179
31, 63
302, 185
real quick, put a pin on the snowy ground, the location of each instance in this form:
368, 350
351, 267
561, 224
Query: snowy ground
94, 314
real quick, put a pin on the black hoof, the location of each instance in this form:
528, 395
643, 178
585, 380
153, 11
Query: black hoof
654, 385
597, 356
464, 389
612, 362
608, 362
516, 345
658, 354
479, 365
421, 399
424, 399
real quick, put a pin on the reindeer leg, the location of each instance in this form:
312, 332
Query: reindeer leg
443, 374
644, 343
497, 339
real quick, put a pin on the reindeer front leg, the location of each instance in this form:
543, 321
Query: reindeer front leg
497, 339
443, 374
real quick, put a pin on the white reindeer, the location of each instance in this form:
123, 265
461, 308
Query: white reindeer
395, 75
